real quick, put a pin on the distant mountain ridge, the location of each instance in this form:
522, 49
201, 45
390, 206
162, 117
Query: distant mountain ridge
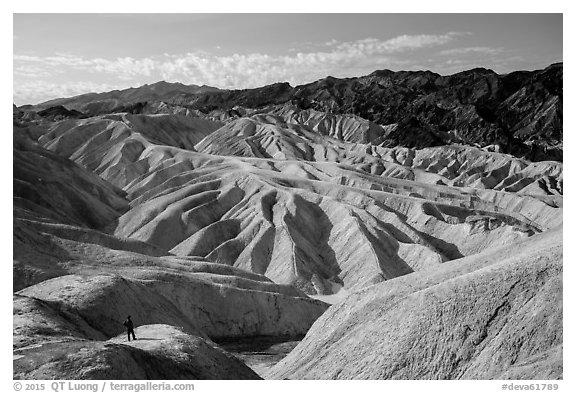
159, 91
520, 112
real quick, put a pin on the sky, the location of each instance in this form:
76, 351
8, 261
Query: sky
61, 55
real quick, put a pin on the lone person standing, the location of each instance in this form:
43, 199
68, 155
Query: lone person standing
129, 327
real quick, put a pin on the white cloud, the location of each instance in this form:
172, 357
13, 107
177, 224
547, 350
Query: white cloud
123, 67
398, 44
31, 71
233, 71
475, 50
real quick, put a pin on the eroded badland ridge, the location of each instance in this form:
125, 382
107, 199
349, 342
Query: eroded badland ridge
426, 208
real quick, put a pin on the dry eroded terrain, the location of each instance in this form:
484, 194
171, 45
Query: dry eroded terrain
444, 262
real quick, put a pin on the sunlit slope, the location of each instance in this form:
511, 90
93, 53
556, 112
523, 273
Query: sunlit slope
494, 315
283, 200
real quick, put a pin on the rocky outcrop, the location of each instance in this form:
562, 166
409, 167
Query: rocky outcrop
161, 352
56, 113
198, 301
521, 112
495, 315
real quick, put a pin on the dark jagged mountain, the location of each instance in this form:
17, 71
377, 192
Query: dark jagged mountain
214, 215
57, 112
520, 112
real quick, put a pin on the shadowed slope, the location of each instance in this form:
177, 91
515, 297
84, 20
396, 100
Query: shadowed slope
496, 315
50, 187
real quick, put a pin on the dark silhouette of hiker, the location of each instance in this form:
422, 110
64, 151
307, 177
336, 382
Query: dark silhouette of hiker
129, 327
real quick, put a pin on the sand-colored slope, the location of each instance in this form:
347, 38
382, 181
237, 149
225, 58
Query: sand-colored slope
497, 314
285, 135
283, 199
471, 167
108, 144
347, 128
298, 224
94, 143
